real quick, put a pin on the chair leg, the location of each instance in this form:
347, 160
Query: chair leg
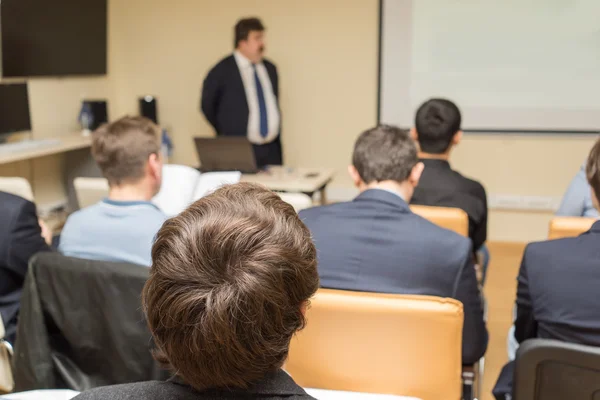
468, 378
480, 372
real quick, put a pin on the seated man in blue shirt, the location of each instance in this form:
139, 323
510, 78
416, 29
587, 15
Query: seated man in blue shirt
577, 201
121, 227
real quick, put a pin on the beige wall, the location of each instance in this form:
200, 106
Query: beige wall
522, 165
326, 52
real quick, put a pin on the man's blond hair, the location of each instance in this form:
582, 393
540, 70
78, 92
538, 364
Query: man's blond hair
122, 148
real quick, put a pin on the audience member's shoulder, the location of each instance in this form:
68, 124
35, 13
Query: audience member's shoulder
313, 212
475, 187
546, 248
472, 186
12, 199
83, 212
139, 390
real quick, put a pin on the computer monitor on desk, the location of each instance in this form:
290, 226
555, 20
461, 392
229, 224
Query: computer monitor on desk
14, 109
226, 154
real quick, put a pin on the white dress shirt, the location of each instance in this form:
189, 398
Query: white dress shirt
247, 73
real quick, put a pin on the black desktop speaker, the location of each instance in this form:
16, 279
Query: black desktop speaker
148, 108
99, 111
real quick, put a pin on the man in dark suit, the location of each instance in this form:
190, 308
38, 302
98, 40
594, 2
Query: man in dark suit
240, 94
376, 244
438, 129
21, 236
558, 285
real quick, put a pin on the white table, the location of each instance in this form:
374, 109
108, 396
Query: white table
58, 145
294, 180
56, 394
321, 394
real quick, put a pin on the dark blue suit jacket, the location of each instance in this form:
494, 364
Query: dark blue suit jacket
557, 294
225, 106
20, 238
376, 244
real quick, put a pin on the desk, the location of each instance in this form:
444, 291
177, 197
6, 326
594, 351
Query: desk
78, 160
302, 180
62, 145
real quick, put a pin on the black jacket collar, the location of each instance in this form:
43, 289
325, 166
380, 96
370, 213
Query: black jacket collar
278, 383
435, 163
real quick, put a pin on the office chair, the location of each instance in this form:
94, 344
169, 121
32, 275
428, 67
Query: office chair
81, 325
17, 186
457, 220
453, 219
562, 227
380, 343
554, 370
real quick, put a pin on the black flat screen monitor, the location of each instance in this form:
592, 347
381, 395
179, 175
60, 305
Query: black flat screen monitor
14, 108
53, 37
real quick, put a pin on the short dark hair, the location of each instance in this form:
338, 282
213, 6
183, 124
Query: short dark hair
592, 169
384, 153
436, 122
244, 27
122, 148
229, 278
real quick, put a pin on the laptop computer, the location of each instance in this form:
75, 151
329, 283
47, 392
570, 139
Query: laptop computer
226, 153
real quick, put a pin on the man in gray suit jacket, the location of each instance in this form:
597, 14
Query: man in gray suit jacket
376, 244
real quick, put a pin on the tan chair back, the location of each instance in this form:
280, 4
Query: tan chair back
380, 343
562, 227
17, 186
453, 219
90, 190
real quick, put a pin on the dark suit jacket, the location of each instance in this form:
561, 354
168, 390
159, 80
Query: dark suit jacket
278, 386
442, 186
225, 106
20, 238
557, 294
376, 244
224, 99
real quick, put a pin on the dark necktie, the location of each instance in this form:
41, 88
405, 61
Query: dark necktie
262, 105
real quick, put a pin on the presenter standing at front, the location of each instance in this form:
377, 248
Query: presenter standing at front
240, 94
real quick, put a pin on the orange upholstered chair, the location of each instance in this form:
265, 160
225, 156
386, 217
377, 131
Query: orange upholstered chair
453, 219
380, 343
562, 227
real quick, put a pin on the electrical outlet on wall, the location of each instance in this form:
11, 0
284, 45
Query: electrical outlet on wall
517, 202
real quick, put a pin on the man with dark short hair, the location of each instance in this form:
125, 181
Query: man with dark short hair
558, 285
438, 129
376, 244
240, 94
230, 281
